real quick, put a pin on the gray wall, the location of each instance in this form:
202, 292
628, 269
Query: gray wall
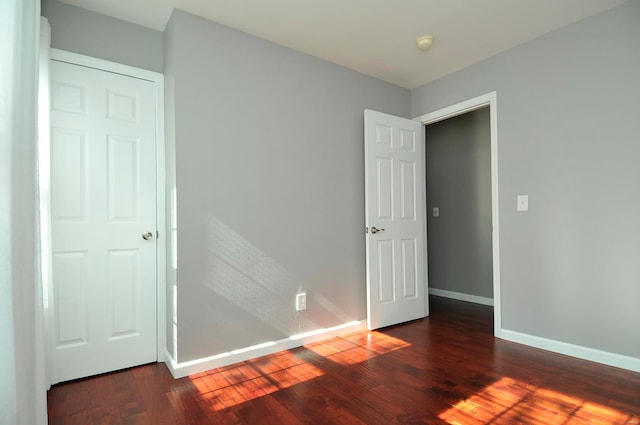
568, 136
459, 184
82, 31
270, 176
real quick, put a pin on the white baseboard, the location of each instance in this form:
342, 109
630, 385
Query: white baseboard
462, 297
585, 353
180, 370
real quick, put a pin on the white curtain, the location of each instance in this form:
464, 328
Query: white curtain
44, 185
8, 406
22, 383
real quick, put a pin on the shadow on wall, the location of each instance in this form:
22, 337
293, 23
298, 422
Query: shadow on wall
244, 275
248, 278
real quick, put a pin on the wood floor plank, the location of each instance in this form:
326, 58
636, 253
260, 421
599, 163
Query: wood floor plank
147, 384
56, 405
445, 369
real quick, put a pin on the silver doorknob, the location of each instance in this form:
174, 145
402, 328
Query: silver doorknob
147, 235
375, 230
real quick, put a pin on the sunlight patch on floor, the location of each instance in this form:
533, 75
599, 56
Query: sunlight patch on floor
235, 384
357, 348
510, 401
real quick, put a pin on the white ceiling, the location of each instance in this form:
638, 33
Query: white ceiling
375, 37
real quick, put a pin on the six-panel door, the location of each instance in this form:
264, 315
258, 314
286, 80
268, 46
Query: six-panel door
103, 198
395, 206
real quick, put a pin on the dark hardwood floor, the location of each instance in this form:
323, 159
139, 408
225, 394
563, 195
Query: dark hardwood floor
445, 369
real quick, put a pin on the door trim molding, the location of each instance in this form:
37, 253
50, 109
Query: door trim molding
161, 243
490, 100
105, 65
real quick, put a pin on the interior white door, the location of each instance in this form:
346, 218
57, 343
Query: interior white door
103, 214
395, 196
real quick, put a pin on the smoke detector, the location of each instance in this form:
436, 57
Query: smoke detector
424, 42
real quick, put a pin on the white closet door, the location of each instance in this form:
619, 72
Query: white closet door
103, 210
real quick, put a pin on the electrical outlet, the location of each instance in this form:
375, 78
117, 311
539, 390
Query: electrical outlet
301, 301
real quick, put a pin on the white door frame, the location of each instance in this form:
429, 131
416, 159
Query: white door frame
161, 242
490, 100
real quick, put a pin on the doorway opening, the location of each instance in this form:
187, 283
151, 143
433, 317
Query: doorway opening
462, 203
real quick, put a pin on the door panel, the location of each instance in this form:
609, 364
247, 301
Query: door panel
395, 204
384, 188
68, 163
386, 275
71, 298
408, 190
123, 179
409, 269
122, 282
103, 195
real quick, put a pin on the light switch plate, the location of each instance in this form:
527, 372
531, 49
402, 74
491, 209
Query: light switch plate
436, 212
522, 203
